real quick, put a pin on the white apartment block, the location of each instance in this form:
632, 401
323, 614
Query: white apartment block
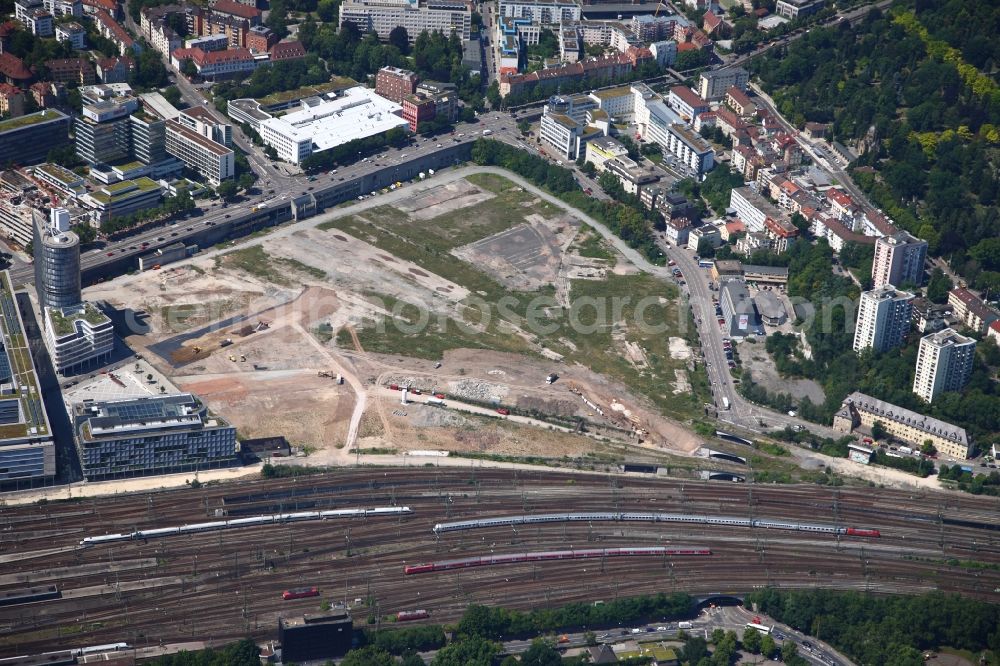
883, 319
899, 259
603, 149
944, 363
544, 12
210, 159
60, 8
619, 103
690, 148
382, 16
561, 133
712, 86
753, 209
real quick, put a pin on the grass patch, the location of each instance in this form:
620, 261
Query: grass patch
592, 245
401, 333
258, 263
773, 449
297, 265
324, 332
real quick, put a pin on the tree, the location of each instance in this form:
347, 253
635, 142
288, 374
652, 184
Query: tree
752, 640
172, 94
246, 181
789, 650
368, 656
694, 650
767, 646
938, 286
493, 94
227, 190
692, 59
474, 651
188, 68
541, 654
411, 658
400, 39
588, 168
85, 232
590, 638
927, 448
879, 431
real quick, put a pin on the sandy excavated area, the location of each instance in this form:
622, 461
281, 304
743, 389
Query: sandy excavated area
308, 410
419, 427
514, 379
266, 380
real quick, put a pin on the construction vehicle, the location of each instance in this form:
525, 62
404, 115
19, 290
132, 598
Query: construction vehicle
232, 358
197, 349
226, 342
243, 358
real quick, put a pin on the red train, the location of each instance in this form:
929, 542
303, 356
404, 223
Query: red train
300, 593
517, 558
406, 616
857, 531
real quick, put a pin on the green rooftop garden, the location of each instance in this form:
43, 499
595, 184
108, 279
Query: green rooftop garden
30, 119
125, 190
62, 320
336, 83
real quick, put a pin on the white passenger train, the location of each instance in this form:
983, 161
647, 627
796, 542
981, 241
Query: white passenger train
247, 522
731, 521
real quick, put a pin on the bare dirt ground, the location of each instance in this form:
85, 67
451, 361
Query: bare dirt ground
251, 337
524, 258
756, 359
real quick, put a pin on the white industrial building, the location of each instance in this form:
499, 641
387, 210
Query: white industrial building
356, 113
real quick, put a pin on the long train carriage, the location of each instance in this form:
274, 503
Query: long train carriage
730, 521
544, 556
247, 522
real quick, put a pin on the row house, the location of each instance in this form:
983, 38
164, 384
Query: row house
608, 67
115, 70
48, 94
11, 100
110, 6
841, 204
730, 123
686, 102
970, 310
737, 100
216, 64
72, 70
112, 30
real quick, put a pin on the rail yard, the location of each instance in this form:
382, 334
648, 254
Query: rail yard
218, 583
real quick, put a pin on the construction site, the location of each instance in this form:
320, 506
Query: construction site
465, 292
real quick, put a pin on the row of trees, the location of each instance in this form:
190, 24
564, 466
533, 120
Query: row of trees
433, 56
182, 203
891, 630
977, 484
276, 77
352, 151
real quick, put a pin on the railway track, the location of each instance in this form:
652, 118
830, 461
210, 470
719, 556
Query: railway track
224, 584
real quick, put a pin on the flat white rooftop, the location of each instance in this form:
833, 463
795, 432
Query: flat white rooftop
356, 113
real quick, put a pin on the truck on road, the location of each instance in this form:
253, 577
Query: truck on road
725, 402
